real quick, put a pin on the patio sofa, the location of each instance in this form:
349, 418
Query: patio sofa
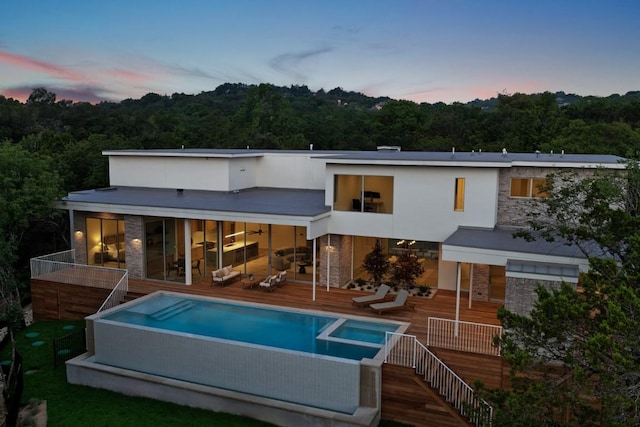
282, 258
224, 275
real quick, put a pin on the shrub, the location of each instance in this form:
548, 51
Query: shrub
376, 263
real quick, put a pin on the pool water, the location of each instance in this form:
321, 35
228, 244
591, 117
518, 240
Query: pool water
291, 330
357, 330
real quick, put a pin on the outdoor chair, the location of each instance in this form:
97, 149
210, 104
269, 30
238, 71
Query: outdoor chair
399, 302
269, 283
281, 278
381, 295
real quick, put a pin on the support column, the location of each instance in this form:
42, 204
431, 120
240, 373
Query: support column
315, 261
458, 277
187, 252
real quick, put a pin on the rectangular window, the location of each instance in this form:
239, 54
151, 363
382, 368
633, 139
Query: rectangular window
458, 204
363, 193
520, 187
538, 187
528, 187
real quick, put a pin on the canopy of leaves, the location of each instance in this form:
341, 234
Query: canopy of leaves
576, 357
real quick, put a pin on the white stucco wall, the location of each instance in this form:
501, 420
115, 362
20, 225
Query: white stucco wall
277, 170
198, 173
423, 200
291, 170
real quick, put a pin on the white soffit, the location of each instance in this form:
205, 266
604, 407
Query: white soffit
542, 271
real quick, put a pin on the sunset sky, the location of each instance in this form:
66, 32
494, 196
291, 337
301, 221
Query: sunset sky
420, 50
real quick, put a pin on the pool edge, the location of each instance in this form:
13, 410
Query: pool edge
81, 370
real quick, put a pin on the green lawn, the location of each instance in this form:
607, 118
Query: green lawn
73, 405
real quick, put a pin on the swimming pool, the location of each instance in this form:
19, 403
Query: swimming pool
291, 330
301, 358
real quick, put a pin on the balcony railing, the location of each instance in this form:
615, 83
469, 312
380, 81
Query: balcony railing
60, 267
463, 336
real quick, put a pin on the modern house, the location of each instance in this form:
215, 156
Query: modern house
178, 215
175, 218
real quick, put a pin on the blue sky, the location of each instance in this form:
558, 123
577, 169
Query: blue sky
420, 50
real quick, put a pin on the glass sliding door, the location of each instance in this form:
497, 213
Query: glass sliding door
161, 249
105, 242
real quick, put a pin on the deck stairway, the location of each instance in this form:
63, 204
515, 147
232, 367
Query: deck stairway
406, 398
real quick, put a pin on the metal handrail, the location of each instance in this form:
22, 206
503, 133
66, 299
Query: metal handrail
117, 294
406, 350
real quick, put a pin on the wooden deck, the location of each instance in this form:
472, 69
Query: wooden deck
469, 366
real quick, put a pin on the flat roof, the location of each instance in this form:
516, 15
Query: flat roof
502, 239
268, 201
474, 158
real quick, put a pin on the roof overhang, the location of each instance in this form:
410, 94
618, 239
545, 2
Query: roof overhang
542, 271
259, 205
498, 246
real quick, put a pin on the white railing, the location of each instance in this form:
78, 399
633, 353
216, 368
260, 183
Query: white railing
471, 337
51, 263
406, 350
117, 294
61, 268
66, 271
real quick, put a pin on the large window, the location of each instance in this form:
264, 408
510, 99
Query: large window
458, 203
105, 242
528, 187
363, 193
161, 249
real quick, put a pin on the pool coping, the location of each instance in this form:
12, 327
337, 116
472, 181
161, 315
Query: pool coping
340, 318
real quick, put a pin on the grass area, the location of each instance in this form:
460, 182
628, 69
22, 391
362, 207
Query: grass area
73, 405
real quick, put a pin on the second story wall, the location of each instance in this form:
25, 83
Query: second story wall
199, 173
423, 202
297, 170
219, 173
513, 210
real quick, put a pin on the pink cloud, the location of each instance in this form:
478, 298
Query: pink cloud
128, 76
468, 93
19, 94
40, 66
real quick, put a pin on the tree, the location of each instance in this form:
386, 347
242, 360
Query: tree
41, 96
406, 268
376, 263
27, 191
575, 358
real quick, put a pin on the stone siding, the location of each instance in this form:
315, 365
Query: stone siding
480, 285
339, 260
512, 211
134, 246
80, 237
520, 293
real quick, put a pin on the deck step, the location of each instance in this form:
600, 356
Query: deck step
172, 310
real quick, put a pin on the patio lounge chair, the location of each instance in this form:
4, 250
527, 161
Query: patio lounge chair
379, 296
281, 278
399, 302
269, 283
